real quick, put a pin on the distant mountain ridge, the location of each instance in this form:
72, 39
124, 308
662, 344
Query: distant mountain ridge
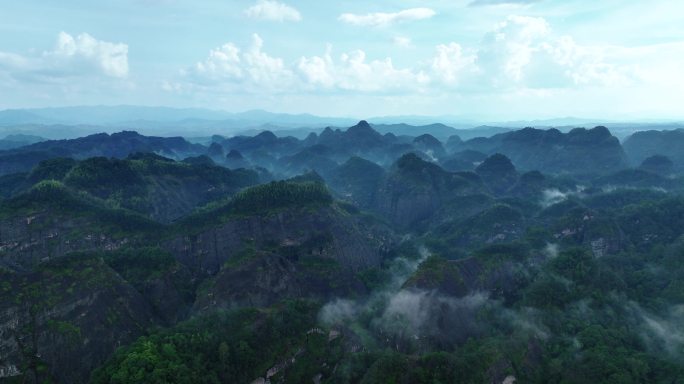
151, 116
580, 150
117, 145
69, 122
642, 145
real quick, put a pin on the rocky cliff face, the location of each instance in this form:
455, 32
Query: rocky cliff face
65, 319
346, 240
63, 314
261, 259
26, 240
169, 199
415, 189
266, 278
357, 181
591, 229
497, 224
154, 186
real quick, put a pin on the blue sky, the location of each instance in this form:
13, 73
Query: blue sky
487, 59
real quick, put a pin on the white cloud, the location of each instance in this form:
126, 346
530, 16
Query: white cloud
381, 19
262, 68
318, 70
522, 51
254, 71
376, 75
451, 63
508, 49
352, 72
273, 11
222, 62
110, 58
78, 56
251, 68
582, 65
519, 56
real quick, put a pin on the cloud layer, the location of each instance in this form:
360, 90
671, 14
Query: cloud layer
520, 52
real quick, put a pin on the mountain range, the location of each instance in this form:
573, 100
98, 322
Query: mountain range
70, 122
365, 254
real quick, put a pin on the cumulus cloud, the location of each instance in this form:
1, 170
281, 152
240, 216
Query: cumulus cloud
252, 68
352, 71
273, 11
523, 51
222, 62
451, 63
382, 19
110, 58
508, 49
520, 54
318, 70
80, 55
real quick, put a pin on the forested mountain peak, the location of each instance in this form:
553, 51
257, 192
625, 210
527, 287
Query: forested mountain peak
350, 244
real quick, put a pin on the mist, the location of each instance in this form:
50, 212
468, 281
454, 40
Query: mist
553, 196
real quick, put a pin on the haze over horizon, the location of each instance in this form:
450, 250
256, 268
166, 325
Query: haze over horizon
494, 59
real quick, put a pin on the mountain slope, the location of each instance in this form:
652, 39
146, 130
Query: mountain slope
117, 145
578, 151
642, 145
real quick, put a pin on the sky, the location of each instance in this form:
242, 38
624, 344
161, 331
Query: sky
486, 59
